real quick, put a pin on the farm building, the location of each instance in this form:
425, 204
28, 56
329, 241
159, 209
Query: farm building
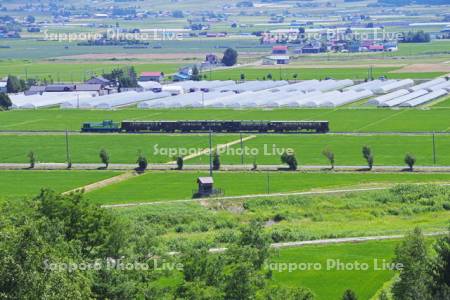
280, 50
151, 76
99, 80
277, 60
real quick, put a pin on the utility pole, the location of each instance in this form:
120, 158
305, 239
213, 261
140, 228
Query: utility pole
210, 154
434, 149
242, 150
67, 146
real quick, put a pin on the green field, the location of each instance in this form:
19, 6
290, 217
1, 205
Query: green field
387, 149
287, 73
333, 282
344, 119
160, 186
86, 148
75, 71
28, 183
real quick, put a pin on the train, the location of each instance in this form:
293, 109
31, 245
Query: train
217, 126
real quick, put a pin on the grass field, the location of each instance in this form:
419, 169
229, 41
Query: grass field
28, 183
333, 282
75, 71
160, 186
86, 148
345, 119
282, 73
388, 150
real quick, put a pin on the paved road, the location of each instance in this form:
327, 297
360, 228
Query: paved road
189, 167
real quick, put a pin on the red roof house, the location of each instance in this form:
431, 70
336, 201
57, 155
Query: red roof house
151, 76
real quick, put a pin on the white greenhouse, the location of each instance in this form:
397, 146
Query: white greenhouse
394, 86
425, 98
407, 97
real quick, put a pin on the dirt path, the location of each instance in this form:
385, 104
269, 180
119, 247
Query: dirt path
106, 182
335, 241
130, 174
220, 147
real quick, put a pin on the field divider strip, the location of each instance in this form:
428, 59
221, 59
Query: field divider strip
218, 148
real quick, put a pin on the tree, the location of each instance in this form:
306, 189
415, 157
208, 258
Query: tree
14, 85
269, 76
177, 14
242, 76
330, 156
280, 292
368, 156
349, 295
32, 159
104, 157
439, 286
195, 74
412, 255
289, 159
142, 162
30, 19
230, 57
295, 76
216, 161
180, 163
410, 160
5, 101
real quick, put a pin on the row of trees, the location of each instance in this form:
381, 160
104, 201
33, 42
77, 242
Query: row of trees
290, 159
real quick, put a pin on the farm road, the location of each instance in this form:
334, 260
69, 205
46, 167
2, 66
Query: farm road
171, 166
226, 168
